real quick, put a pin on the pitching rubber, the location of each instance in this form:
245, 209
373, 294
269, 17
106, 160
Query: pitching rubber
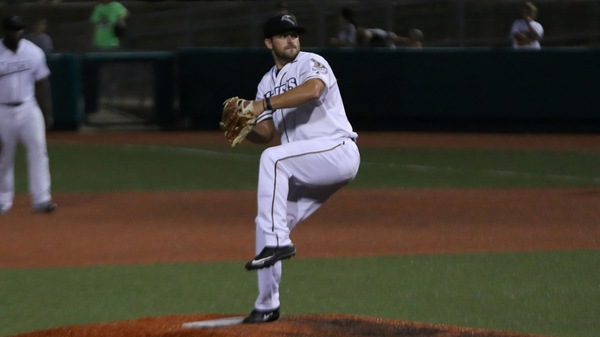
227, 321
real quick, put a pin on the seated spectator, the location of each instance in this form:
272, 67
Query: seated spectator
413, 40
346, 36
377, 37
281, 8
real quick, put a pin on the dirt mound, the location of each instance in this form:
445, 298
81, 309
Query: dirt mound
327, 325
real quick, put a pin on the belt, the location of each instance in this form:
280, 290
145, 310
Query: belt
13, 104
352, 139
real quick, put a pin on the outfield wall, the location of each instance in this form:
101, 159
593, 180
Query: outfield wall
431, 89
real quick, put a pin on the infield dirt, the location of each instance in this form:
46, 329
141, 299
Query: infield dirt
406, 221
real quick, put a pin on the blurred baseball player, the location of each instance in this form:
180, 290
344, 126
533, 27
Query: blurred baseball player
25, 88
299, 101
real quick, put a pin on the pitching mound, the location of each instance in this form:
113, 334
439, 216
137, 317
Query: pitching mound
327, 325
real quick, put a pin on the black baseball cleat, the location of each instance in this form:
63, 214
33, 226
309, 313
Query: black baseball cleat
269, 255
257, 316
45, 207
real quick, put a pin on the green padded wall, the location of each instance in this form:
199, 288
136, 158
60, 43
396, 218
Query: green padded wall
479, 89
65, 81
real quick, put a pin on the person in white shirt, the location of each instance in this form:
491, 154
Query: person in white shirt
525, 32
25, 101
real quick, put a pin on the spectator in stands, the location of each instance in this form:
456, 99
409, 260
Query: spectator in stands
281, 8
525, 32
39, 36
414, 39
108, 18
346, 36
377, 37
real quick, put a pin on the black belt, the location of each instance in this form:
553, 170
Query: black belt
15, 104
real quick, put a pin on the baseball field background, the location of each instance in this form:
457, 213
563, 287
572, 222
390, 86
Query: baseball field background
489, 231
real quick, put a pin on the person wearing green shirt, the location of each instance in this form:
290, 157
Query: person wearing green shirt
105, 16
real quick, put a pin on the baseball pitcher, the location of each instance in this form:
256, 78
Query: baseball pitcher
299, 101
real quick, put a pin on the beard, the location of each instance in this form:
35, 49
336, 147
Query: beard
286, 55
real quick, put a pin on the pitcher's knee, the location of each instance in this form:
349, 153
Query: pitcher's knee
269, 155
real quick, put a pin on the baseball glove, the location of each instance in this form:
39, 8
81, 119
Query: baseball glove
237, 119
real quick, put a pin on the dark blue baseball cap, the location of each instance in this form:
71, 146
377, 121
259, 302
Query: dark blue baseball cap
13, 22
281, 24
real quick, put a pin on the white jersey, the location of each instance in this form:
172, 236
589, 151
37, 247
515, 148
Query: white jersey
520, 26
19, 71
324, 118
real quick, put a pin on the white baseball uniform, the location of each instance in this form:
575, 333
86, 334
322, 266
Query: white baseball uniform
21, 121
317, 156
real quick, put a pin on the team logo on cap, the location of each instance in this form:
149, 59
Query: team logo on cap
289, 19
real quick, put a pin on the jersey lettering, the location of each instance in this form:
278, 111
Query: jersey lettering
290, 84
7, 68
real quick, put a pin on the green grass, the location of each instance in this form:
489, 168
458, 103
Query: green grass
478, 168
549, 293
96, 168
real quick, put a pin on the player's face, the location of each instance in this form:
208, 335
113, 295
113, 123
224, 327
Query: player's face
12, 37
285, 46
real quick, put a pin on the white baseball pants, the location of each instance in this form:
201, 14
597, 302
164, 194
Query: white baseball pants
295, 179
24, 124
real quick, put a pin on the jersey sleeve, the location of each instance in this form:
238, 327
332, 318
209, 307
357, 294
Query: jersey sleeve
538, 29
315, 66
118, 8
41, 69
518, 27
